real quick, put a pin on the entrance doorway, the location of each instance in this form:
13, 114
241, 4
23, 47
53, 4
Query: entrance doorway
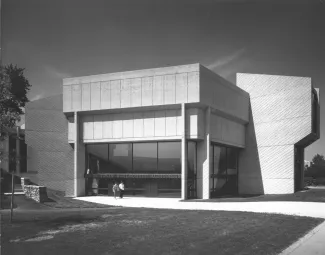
136, 186
224, 171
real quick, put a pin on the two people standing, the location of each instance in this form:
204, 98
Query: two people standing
118, 188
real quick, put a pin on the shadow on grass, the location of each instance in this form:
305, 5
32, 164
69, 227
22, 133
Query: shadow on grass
157, 231
6, 202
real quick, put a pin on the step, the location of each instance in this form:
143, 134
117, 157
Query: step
15, 193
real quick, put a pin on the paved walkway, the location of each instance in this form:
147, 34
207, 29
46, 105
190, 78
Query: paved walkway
311, 244
309, 209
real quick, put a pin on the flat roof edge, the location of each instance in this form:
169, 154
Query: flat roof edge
133, 74
274, 75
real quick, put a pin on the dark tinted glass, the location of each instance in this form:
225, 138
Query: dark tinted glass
219, 160
97, 158
224, 182
231, 161
314, 112
120, 158
191, 157
145, 157
169, 157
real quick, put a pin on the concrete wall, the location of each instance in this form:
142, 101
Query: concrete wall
224, 98
136, 126
280, 116
48, 151
160, 86
227, 132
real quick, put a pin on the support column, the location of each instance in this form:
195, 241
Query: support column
18, 151
184, 154
75, 158
79, 160
206, 165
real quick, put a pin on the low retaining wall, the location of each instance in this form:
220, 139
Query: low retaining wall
35, 192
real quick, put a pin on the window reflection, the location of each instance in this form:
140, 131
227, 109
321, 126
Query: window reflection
97, 157
161, 157
151, 157
231, 161
191, 169
120, 158
224, 171
314, 111
145, 157
169, 157
191, 158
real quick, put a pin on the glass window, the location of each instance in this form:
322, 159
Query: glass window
169, 157
191, 169
231, 161
219, 160
232, 157
211, 159
120, 158
145, 157
169, 187
314, 112
224, 181
97, 158
191, 158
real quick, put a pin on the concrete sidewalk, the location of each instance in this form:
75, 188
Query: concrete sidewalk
308, 209
311, 244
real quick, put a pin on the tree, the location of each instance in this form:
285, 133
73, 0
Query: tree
318, 160
13, 95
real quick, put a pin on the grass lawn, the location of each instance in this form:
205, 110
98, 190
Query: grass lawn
56, 200
310, 195
154, 231
6, 202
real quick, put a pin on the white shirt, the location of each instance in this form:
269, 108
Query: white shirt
121, 186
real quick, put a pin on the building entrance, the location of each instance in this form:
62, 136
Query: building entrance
151, 169
224, 171
142, 185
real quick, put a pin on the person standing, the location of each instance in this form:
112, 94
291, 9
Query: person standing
121, 187
115, 189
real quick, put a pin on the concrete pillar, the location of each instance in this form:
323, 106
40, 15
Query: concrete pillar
18, 151
184, 154
79, 160
75, 158
206, 164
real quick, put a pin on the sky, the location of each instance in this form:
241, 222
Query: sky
58, 39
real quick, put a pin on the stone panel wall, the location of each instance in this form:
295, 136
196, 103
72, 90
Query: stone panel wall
35, 192
280, 117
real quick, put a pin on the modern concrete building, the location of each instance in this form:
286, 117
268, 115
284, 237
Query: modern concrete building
177, 131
